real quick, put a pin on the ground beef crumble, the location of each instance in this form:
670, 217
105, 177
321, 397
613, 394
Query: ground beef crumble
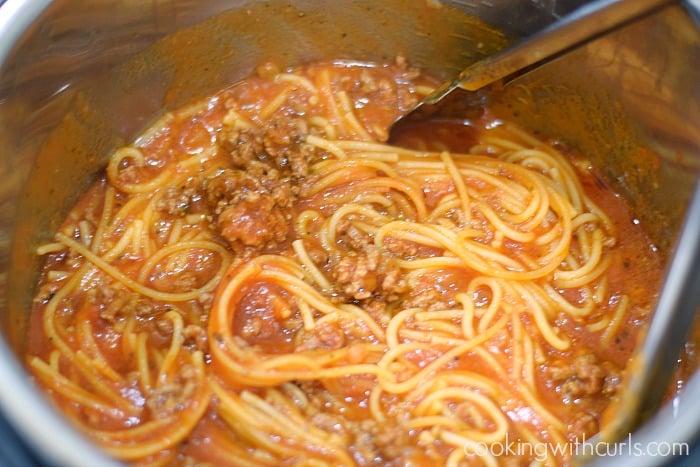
365, 271
247, 201
584, 376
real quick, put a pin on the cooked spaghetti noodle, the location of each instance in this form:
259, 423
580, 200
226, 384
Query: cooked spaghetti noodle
260, 280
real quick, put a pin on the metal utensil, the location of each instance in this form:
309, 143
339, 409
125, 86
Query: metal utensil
575, 29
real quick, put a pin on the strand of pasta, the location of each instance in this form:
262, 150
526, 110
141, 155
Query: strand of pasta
175, 346
159, 434
349, 118
275, 103
323, 123
133, 188
107, 206
459, 185
314, 272
251, 417
616, 320
329, 230
358, 146
463, 445
69, 389
140, 288
454, 352
93, 353
384, 184
50, 312
551, 334
278, 368
503, 227
553, 421
323, 84
142, 362
326, 145
291, 424
298, 80
100, 387
473, 254
436, 401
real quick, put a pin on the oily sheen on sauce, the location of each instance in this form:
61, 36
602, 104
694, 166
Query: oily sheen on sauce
260, 279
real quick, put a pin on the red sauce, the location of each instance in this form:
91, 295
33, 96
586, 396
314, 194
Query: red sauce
244, 199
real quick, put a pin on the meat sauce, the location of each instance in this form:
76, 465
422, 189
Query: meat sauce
249, 205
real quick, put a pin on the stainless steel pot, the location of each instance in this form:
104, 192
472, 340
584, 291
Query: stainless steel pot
78, 77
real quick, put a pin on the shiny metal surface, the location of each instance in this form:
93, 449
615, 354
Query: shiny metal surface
79, 77
575, 29
653, 365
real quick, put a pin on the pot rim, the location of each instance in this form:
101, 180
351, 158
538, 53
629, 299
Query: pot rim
56, 441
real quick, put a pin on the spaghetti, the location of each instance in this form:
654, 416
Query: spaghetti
260, 280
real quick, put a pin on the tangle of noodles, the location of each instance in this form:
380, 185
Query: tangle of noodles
260, 280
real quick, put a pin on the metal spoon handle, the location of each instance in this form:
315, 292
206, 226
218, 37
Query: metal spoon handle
581, 26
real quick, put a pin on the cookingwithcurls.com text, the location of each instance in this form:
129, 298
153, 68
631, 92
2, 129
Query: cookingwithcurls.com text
541, 451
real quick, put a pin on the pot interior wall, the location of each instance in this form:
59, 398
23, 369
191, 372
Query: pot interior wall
627, 101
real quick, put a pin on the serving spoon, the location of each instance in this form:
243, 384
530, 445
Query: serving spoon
573, 30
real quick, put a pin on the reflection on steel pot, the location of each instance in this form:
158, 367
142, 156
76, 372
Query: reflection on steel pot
80, 78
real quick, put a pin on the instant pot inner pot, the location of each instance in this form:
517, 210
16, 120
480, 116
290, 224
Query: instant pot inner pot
81, 78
